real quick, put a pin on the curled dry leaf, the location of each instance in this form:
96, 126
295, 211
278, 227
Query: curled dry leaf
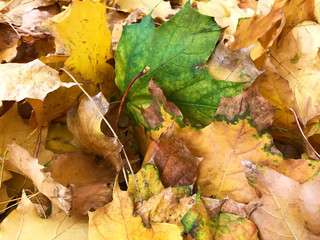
116, 221
28, 80
164, 208
265, 30
239, 209
21, 162
285, 208
84, 123
300, 67
24, 223
213, 206
230, 65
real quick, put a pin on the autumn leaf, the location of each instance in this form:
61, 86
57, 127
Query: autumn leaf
84, 123
88, 51
24, 222
172, 60
285, 208
116, 220
29, 80
235, 66
8, 49
299, 68
226, 13
21, 162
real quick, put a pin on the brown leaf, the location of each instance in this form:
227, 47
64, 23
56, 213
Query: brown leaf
79, 169
251, 100
21, 162
84, 123
9, 41
176, 164
239, 209
285, 208
213, 206
90, 197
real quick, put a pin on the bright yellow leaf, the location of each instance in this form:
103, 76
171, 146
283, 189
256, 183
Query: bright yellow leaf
24, 223
116, 221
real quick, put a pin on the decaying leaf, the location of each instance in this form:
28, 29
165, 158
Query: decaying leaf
84, 123
285, 208
177, 165
116, 220
28, 80
235, 66
24, 223
196, 221
148, 181
235, 227
21, 162
164, 208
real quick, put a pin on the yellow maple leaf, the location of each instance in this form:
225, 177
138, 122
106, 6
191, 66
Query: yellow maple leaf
116, 221
24, 223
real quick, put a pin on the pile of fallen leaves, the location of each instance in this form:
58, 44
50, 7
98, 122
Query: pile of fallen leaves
142, 119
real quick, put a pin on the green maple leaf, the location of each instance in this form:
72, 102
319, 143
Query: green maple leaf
172, 51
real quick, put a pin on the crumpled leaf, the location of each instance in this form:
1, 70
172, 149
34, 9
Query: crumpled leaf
84, 123
172, 51
266, 30
164, 208
239, 209
24, 223
235, 66
160, 8
235, 227
21, 162
116, 220
226, 13
296, 59
75, 31
285, 208
28, 80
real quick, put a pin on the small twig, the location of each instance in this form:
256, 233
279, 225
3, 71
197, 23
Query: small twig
2, 167
108, 124
11, 206
36, 152
302, 133
143, 72
6, 5
42, 209
12, 26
